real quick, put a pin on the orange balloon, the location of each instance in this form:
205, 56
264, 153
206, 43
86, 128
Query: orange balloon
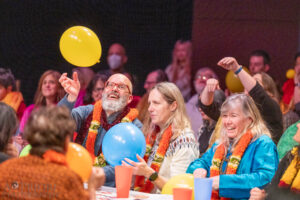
79, 160
233, 82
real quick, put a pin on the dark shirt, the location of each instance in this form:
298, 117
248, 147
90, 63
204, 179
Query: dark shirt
269, 110
273, 191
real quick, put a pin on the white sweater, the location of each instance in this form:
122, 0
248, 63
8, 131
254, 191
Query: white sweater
181, 152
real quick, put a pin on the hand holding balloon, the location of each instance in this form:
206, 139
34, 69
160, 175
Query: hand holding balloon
123, 140
72, 87
139, 168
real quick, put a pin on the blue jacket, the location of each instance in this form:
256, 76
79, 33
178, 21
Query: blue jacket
80, 114
257, 168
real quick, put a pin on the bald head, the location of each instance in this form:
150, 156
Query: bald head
122, 79
118, 49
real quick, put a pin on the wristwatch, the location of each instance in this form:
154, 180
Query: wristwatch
297, 84
153, 176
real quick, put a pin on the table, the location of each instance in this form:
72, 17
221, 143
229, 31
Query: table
109, 193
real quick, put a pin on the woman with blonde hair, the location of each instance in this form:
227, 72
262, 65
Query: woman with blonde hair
244, 153
171, 144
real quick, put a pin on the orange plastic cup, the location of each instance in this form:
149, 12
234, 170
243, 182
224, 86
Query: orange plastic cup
123, 175
182, 193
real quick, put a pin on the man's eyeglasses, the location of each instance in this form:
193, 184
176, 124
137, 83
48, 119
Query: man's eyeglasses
120, 87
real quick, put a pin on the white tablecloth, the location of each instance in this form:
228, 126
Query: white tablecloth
108, 193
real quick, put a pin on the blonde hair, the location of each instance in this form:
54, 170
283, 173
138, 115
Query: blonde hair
249, 109
178, 119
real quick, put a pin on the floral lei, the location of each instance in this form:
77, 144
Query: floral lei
93, 130
140, 183
55, 157
291, 177
234, 160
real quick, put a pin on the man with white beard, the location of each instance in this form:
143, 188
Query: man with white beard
93, 121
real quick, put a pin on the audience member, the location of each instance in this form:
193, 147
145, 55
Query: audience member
171, 144
268, 107
286, 181
259, 61
95, 89
245, 156
44, 174
202, 75
8, 93
152, 79
49, 92
8, 126
179, 71
93, 121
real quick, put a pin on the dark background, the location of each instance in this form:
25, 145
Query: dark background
31, 29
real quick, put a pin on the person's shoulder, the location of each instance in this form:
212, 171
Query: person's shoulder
186, 136
264, 139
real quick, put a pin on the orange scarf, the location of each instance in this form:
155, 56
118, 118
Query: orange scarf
55, 157
233, 163
95, 125
140, 183
291, 177
13, 99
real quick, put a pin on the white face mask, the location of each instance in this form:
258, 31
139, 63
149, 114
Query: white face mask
114, 61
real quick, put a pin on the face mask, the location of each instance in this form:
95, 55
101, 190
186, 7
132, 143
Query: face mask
114, 61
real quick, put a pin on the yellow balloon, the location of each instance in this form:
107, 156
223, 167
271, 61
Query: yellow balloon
233, 83
290, 74
79, 160
179, 181
80, 46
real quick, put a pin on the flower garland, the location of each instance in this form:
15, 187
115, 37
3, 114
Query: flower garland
140, 183
234, 160
291, 176
55, 157
95, 125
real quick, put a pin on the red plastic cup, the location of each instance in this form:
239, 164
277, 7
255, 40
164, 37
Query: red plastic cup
123, 175
182, 193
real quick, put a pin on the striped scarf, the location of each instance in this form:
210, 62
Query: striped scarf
291, 176
233, 163
141, 184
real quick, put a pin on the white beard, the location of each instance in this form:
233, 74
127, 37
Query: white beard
113, 105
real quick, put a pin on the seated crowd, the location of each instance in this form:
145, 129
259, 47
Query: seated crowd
228, 137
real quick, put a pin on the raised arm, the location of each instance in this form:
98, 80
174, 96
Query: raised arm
230, 63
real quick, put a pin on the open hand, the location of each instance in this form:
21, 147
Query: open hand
71, 86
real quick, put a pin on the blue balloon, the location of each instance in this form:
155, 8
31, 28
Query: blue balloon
123, 140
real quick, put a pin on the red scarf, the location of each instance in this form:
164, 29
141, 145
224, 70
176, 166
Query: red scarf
140, 183
233, 163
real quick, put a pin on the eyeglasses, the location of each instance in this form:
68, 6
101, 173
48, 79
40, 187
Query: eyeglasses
120, 87
203, 77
